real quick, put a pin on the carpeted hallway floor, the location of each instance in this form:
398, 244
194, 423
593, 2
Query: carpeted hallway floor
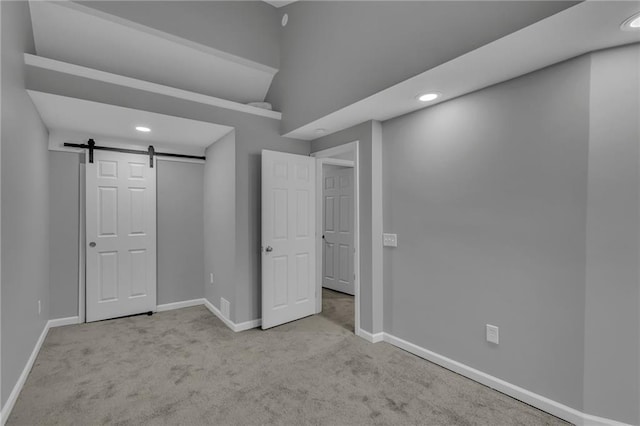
185, 367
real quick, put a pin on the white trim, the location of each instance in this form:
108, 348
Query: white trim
553, 407
372, 338
338, 162
179, 305
232, 325
82, 266
60, 322
349, 147
13, 397
134, 83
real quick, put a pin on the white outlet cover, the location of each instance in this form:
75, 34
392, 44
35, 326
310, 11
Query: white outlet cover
211, 277
390, 240
493, 334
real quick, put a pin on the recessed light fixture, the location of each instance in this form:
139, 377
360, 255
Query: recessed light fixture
143, 129
285, 19
428, 97
631, 24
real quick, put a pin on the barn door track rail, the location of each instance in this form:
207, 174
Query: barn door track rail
151, 152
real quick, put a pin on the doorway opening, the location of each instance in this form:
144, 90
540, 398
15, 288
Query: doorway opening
338, 239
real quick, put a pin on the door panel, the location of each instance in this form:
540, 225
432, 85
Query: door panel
121, 222
288, 238
338, 232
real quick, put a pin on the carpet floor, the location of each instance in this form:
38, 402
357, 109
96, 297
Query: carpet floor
185, 367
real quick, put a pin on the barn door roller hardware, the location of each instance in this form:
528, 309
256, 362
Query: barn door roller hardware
151, 152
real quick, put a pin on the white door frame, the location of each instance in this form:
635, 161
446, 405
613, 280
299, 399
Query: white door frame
325, 157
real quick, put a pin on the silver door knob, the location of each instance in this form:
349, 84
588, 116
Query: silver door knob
268, 249
92, 244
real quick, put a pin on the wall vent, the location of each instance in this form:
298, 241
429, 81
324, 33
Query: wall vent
225, 307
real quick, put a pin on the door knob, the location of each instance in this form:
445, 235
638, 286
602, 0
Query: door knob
268, 249
92, 244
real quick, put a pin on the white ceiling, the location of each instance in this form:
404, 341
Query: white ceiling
588, 26
85, 119
80, 35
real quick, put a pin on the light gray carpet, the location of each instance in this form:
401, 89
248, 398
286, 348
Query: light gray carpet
185, 367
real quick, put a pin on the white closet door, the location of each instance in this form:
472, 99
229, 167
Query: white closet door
120, 235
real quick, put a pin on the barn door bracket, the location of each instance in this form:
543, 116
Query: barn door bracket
152, 152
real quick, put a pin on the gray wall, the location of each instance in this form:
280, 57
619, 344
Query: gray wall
612, 326
249, 29
329, 46
370, 145
180, 240
180, 237
25, 203
220, 221
487, 194
64, 175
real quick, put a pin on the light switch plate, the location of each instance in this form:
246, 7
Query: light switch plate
493, 334
390, 240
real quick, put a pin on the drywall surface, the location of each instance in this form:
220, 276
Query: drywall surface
487, 194
25, 203
220, 221
180, 237
248, 29
334, 53
612, 321
64, 211
369, 138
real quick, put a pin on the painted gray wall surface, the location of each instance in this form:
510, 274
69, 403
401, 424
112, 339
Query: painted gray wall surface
612, 331
368, 135
248, 29
220, 221
25, 203
180, 237
64, 175
336, 53
487, 194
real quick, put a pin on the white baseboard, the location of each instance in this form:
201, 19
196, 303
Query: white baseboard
557, 409
13, 396
369, 337
179, 305
232, 325
59, 322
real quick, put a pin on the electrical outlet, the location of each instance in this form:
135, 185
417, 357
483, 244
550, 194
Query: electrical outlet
390, 240
39, 308
211, 277
493, 334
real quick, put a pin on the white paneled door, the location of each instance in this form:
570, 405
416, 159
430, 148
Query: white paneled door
338, 206
120, 235
288, 237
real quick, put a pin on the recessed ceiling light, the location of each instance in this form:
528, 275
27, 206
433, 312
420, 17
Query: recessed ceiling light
631, 24
285, 19
428, 97
143, 129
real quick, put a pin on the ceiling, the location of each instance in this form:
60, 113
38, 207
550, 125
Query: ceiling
588, 26
81, 35
279, 3
80, 120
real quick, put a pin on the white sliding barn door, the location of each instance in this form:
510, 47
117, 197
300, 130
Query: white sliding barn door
338, 206
120, 235
288, 237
